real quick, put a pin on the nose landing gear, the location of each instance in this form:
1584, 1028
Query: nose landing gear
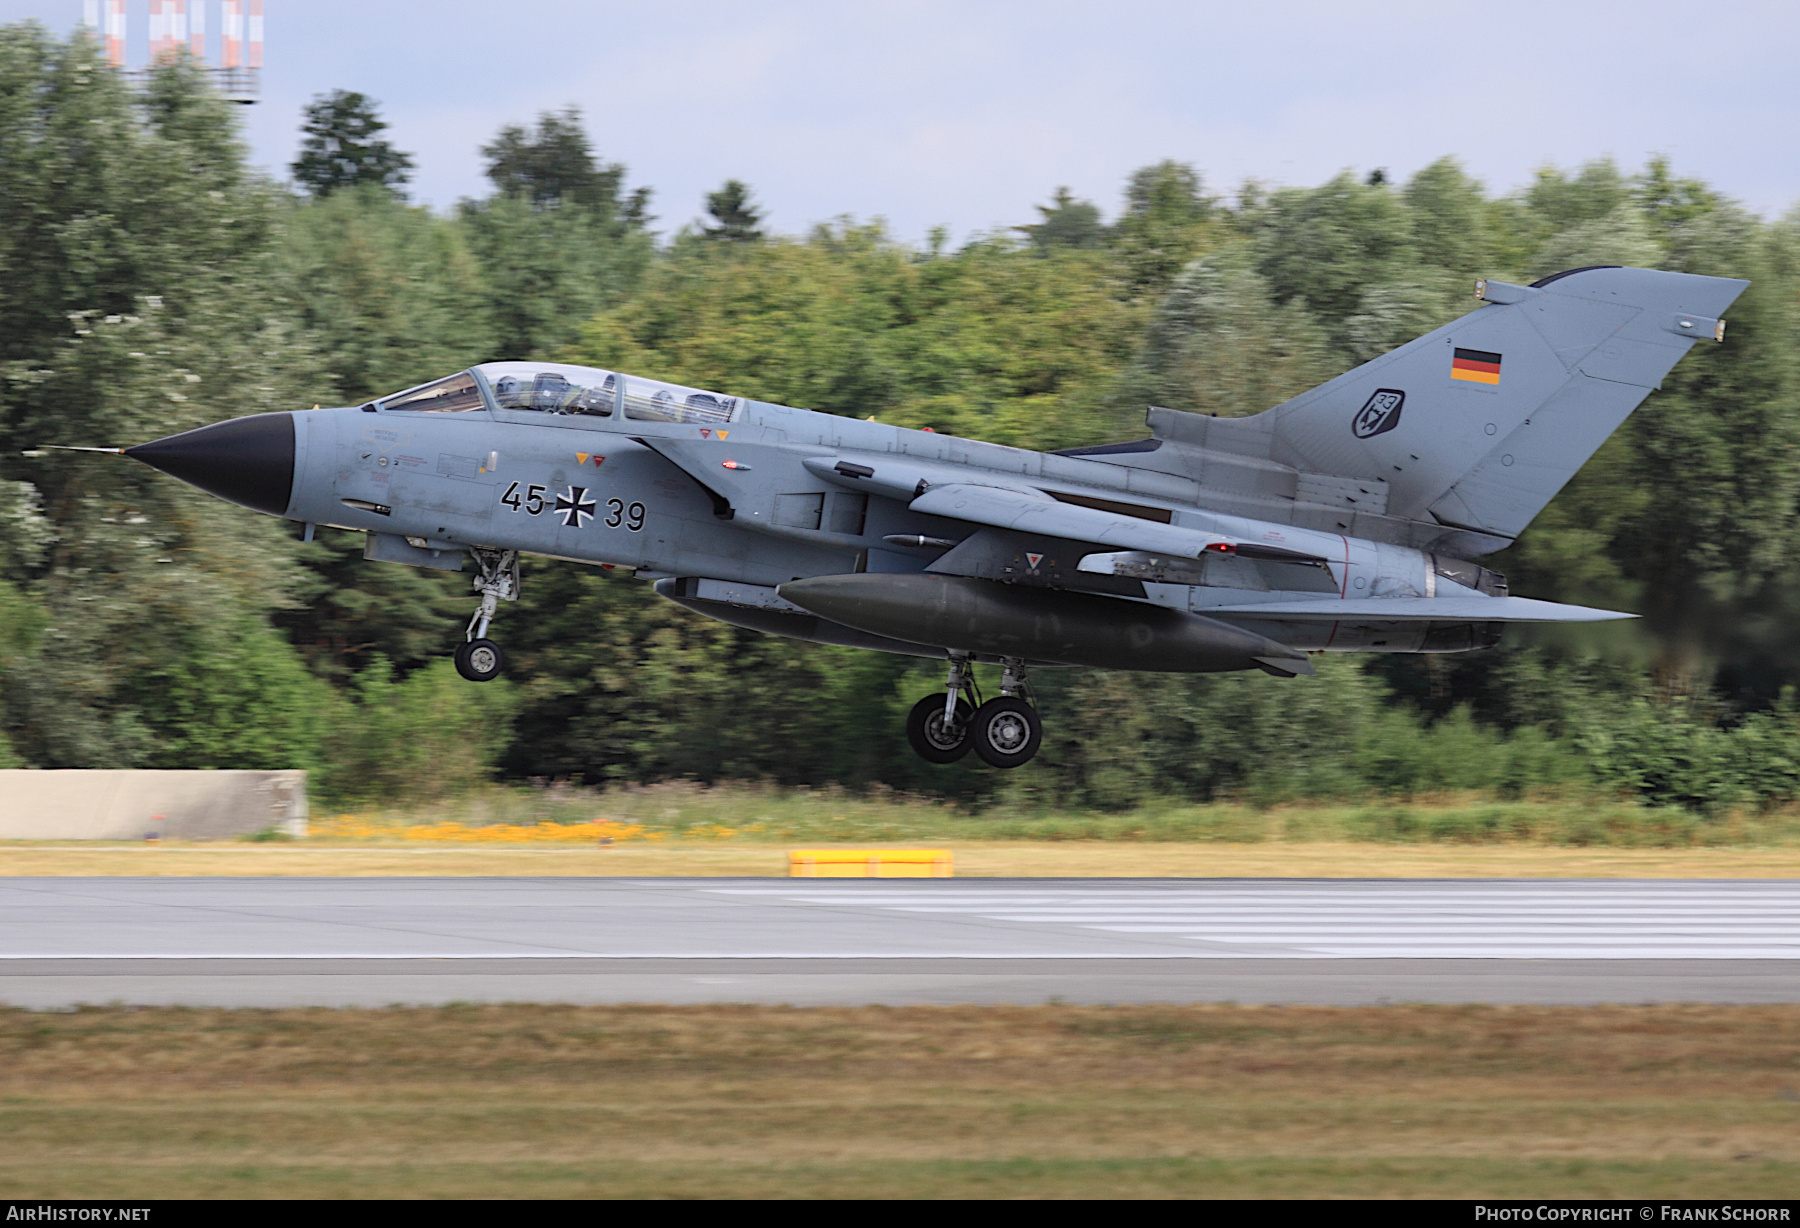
478, 658
1004, 732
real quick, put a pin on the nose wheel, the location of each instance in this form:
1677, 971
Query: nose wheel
478, 658
1004, 732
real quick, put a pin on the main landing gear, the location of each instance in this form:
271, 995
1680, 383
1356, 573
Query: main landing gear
478, 658
1004, 732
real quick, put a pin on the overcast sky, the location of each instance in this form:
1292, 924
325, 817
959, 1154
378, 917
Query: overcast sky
966, 114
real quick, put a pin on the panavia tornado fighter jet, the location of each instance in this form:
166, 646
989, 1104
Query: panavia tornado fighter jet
1344, 520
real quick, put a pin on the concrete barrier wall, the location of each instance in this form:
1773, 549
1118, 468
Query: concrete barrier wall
83, 805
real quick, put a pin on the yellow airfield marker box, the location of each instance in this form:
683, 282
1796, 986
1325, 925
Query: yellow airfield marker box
871, 863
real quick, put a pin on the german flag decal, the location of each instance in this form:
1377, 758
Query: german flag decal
1476, 366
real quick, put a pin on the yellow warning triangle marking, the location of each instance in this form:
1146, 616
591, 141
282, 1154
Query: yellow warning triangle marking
581, 457
722, 434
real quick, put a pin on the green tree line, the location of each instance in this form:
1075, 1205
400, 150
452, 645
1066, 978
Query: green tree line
155, 281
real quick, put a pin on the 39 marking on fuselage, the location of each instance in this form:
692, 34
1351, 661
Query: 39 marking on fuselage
631, 517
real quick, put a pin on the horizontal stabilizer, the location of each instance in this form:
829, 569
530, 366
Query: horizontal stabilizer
1417, 609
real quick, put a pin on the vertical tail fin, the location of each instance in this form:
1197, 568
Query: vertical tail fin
1477, 425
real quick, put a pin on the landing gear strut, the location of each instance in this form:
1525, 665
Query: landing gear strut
478, 658
938, 728
1004, 732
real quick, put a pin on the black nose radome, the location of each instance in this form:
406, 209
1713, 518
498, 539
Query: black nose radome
247, 460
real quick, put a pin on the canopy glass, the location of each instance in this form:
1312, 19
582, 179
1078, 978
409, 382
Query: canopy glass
558, 388
445, 396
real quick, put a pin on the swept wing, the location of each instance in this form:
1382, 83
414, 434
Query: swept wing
1417, 609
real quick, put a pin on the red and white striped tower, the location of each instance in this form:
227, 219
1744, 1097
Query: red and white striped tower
231, 22
161, 44
175, 25
256, 33
115, 33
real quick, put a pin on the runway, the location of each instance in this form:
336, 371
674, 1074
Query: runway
370, 941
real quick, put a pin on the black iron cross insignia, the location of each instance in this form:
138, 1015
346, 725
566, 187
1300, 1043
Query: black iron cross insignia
576, 508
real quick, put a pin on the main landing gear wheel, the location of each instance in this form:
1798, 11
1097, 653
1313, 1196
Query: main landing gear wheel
1006, 732
931, 738
480, 660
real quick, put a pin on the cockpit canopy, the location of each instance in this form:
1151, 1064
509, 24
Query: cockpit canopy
558, 388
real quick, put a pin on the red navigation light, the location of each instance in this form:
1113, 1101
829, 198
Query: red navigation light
1221, 547
734, 465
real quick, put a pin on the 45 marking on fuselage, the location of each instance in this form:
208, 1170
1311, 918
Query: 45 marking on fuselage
574, 505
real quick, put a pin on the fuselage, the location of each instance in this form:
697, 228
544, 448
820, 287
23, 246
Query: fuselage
636, 475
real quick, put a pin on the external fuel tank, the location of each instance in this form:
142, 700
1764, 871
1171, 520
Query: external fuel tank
993, 618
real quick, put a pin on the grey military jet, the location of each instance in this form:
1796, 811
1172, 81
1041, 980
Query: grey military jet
1344, 520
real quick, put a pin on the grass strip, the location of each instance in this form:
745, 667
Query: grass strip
1051, 1101
728, 812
